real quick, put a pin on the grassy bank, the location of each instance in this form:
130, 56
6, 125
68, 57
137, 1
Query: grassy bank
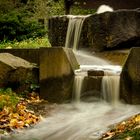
29, 43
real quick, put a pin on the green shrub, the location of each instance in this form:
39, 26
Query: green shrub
19, 25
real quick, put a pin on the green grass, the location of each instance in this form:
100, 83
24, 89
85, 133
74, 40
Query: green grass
29, 43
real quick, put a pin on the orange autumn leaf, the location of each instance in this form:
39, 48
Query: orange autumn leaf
21, 107
19, 124
14, 115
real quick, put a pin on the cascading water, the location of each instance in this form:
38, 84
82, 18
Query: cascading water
110, 82
74, 31
110, 89
77, 87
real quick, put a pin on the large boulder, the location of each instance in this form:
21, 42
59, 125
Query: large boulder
57, 67
16, 72
130, 78
109, 30
114, 29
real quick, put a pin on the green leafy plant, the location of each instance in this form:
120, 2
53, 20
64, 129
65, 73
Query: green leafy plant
8, 98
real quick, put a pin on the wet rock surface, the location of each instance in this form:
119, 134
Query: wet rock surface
91, 87
118, 29
95, 73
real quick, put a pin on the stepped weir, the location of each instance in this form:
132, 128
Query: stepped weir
110, 80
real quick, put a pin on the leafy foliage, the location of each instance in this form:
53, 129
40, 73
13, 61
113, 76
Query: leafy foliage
18, 119
31, 42
126, 130
8, 98
76, 10
19, 26
47, 8
130, 135
19, 19
74, 7
13, 111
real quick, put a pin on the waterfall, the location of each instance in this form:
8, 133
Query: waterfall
74, 31
110, 88
77, 87
110, 84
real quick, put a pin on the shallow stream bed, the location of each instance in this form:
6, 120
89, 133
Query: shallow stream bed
82, 121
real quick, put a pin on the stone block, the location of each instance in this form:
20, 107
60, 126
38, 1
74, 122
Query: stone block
56, 74
130, 78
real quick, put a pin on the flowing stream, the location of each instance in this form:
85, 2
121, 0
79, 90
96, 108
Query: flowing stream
79, 120
74, 31
82, 121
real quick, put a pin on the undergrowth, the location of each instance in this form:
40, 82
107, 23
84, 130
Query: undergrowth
29, 43
8, 98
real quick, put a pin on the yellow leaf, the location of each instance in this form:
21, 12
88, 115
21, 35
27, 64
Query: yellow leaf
21, 107
28, 121
19, 124
13, 122
137, 119
15, 115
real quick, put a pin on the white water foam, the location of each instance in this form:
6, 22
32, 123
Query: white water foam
86, 58
111, 89
77, 87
